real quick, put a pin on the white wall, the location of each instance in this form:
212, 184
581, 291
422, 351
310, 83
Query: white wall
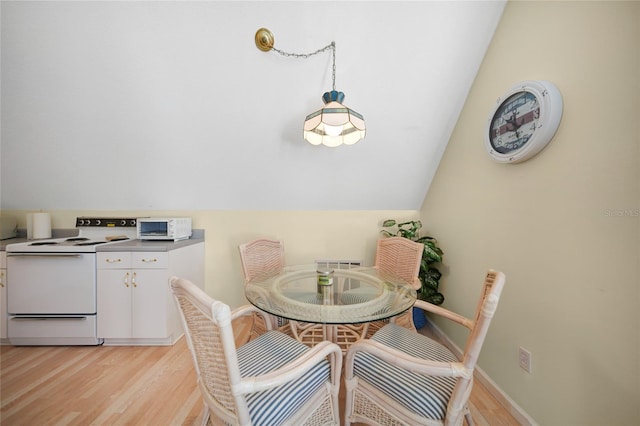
563, 226
169, 104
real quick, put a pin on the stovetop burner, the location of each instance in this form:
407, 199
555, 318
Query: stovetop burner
92, 232
80, 241
90, 243
117, 238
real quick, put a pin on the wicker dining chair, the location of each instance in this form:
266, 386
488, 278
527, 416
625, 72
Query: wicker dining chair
398, 257
403, 377
263, 258
271, 380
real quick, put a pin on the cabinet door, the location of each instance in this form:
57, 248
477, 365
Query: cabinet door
149, 310
114, 303
3, 303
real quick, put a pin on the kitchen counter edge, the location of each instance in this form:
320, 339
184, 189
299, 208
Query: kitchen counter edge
153, 245
133, 245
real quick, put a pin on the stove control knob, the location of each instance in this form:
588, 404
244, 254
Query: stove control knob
97, 222
133, 222
80, 222
123, 222
87, 222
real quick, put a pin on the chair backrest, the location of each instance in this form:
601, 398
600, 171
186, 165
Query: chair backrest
261, 258
400, 257
487, 304
486, 308
207, 327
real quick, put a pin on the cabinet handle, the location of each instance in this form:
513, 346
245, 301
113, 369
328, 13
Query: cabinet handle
133, 280
113, 260
126, 279
150, 260
1, 279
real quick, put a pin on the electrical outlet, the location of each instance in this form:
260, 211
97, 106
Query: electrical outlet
525, 359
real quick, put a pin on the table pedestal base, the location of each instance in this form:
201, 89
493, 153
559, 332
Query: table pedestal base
344, 335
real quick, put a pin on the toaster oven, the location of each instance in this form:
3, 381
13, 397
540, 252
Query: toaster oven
165, 228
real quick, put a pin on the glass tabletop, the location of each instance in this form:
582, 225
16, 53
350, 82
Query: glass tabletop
339, 296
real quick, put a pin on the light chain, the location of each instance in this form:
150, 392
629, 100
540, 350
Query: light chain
331, 46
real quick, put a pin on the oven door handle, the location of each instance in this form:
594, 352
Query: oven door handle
44, 317
43, 254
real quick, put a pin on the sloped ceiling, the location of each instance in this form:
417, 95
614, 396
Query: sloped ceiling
170, 105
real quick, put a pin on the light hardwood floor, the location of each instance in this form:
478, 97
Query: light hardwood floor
117, 385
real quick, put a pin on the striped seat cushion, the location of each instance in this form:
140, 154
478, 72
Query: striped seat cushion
425, 395
269, 352
356, 297
282, 321
353, 297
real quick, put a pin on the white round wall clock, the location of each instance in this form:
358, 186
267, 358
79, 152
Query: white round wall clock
523, 121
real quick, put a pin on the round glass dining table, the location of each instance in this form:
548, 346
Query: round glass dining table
339, 296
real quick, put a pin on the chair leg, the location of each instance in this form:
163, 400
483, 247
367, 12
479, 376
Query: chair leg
467, 417
205, 415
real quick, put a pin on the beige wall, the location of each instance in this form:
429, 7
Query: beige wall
307, 235
563, 226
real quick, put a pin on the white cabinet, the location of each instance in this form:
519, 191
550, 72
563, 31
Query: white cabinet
135, 304
3, 297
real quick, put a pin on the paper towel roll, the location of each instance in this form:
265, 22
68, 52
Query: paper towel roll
41, 225
29, 226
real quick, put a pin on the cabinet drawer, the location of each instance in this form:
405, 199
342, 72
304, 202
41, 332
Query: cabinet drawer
150, 260
71, 330
114, 260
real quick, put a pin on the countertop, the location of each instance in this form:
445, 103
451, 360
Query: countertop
5, 243
128, 245
139, 245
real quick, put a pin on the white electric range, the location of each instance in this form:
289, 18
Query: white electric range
51, 284
92, 232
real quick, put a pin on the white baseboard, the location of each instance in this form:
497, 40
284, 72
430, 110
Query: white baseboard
503, 399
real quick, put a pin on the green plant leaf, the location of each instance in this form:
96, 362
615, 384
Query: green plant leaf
435, 299
408, 234
424, 240
389, 222
431, 283
432, 254
435, 247
424, 265
434, 274
409, 223
426, 292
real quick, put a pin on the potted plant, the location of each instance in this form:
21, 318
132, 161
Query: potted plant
429, 275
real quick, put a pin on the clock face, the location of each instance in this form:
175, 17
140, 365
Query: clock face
514, 122
523, 121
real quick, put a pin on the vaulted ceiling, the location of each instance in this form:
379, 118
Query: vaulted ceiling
170, 105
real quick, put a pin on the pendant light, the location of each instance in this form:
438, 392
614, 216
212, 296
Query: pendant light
334, 124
